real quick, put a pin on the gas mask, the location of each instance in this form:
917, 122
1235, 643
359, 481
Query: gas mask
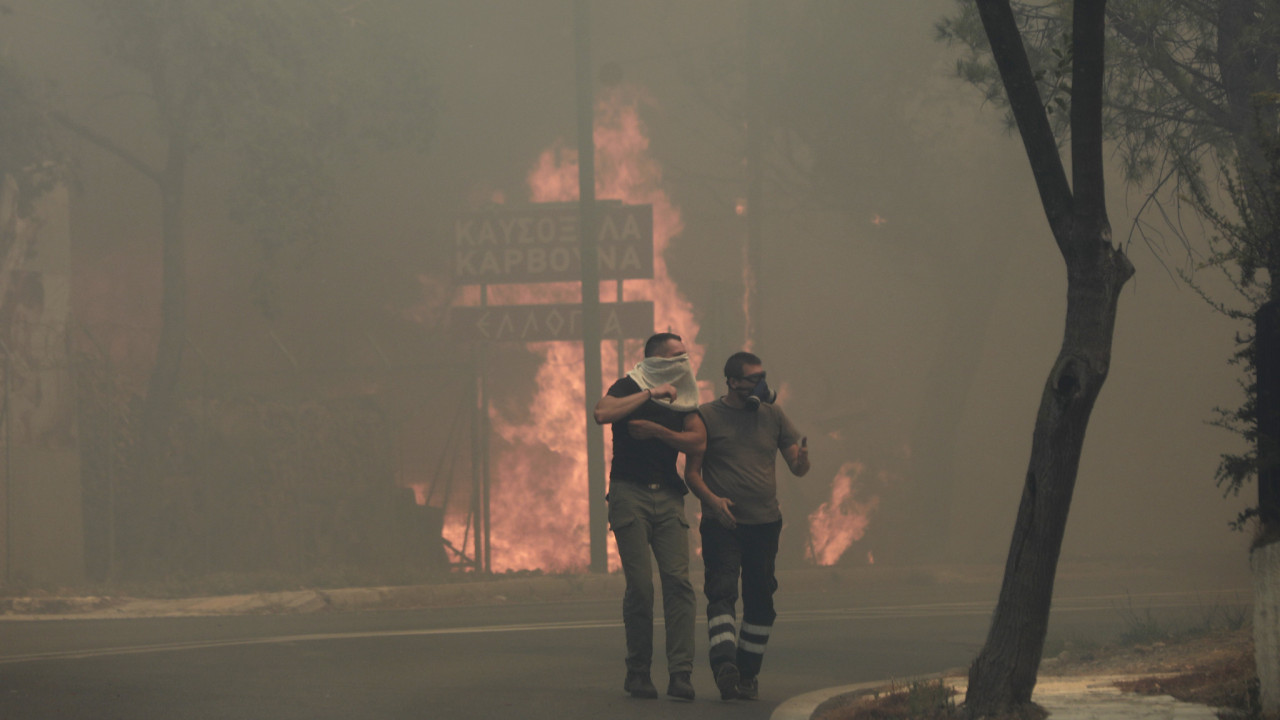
761, 393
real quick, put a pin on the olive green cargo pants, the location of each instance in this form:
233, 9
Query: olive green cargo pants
645, 519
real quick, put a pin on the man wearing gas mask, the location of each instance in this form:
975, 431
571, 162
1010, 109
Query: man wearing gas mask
741, 521
653, 410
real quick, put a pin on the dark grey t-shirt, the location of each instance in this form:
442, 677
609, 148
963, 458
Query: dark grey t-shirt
742, 451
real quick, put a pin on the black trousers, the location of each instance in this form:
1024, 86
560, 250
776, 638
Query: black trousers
747, 553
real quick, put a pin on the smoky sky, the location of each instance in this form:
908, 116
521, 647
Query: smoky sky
937, 270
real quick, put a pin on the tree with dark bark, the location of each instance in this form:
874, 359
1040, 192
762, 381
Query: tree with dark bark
1193, 107
1003, 676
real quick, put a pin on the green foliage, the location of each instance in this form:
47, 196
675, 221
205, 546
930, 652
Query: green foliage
1165, 107
1046, 30
1245, 249
1189, 92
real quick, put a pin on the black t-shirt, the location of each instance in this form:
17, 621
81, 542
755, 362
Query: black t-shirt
645, 461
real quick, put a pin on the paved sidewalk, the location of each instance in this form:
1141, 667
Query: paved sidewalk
1077, 698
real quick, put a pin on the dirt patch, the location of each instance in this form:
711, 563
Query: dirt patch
1215, 669
1207, 652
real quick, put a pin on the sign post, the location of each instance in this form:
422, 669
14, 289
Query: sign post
582, 242
593, 374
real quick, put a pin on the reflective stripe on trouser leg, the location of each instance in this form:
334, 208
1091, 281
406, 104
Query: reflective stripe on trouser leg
722, 641
751, 642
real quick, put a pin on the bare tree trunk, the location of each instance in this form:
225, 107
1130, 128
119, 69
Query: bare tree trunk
1003, 675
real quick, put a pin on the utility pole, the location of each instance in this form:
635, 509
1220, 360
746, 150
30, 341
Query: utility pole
592, 371
754, 274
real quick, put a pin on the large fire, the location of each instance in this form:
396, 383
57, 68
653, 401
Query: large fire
539, 504
842, 520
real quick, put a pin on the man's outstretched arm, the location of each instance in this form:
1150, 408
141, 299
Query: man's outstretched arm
691, 439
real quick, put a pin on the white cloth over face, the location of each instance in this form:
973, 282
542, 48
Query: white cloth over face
676, 371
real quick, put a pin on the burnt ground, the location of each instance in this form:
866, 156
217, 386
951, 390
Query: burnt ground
1215, 669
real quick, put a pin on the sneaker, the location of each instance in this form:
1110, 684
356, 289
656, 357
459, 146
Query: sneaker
727, 681
748, 689
680, 687
639, 685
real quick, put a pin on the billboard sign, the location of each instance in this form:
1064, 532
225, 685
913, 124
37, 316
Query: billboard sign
539, 243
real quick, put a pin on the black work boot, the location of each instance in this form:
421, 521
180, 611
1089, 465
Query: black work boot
727, 681
749, 688
639, 685
680, 687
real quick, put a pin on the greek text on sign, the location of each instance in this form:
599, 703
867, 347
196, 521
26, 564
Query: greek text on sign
540, 323
539, 243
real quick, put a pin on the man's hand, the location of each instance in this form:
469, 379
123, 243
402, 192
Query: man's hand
643, 429
797, 457
663, 392
720, 511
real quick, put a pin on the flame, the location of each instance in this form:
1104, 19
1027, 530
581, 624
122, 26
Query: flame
539, 505
842, 520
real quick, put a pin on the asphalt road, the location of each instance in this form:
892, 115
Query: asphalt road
503, 660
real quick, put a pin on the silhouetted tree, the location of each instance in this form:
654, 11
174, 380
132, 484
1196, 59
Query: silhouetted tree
1193, 104
1003, 676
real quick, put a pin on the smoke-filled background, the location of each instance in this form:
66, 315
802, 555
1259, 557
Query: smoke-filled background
909, 303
